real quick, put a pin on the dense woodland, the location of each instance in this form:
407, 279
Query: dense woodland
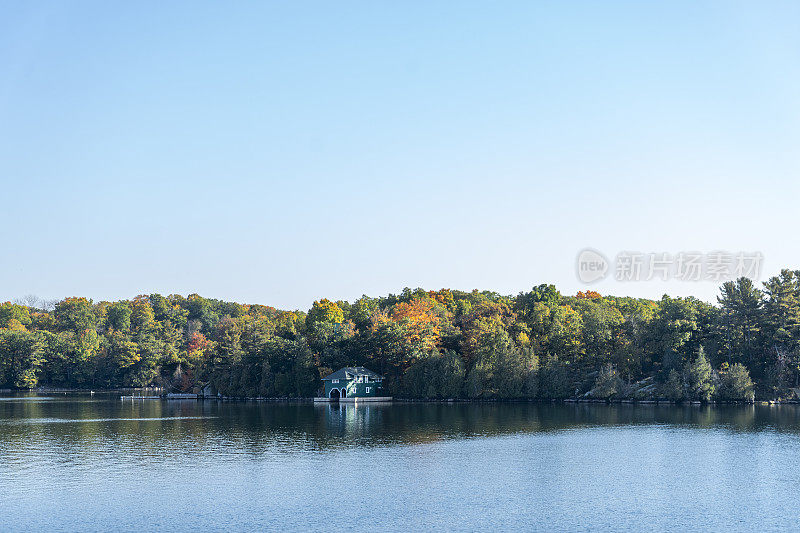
427, 344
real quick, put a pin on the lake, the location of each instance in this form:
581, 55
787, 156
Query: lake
71, 462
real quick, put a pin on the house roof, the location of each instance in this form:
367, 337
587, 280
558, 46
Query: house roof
350, 372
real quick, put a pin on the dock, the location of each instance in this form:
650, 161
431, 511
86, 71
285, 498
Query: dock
368, 399
123, 398
170, 396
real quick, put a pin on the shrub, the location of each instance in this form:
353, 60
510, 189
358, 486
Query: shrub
736, 384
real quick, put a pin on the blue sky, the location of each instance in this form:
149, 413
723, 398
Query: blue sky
278, 153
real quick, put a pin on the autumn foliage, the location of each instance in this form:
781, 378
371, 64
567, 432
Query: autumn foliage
422, 322
432, 344
588, 295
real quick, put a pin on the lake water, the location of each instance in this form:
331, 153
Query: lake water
83, 463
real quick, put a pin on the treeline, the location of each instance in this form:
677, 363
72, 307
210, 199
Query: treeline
427, 344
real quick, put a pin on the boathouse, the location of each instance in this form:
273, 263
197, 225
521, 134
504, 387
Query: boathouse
352, 382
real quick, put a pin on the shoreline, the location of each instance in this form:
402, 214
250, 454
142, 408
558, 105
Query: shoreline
615, 401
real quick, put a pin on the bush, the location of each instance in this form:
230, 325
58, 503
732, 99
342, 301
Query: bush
736, 384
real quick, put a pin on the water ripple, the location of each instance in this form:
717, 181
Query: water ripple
26, 421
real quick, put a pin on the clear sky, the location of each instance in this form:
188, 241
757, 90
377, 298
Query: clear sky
281, 152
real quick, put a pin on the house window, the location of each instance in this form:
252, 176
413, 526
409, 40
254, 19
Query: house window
334, 381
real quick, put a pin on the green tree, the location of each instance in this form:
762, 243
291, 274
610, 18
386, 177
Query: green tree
555, 380
674, 332
21, 358
740, 323
736, 384
566, 335
10, 313
435, 376
602, 326
118, 316
75, 314
781, 331
673, 388
701, 378
143, 318
226, 357
324, 312
607, 384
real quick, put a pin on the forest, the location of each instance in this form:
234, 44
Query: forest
427, 344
